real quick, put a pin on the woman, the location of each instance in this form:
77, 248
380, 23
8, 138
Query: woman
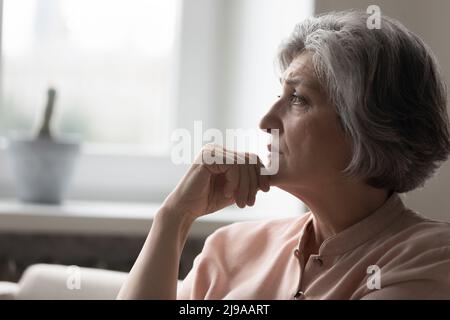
362, 117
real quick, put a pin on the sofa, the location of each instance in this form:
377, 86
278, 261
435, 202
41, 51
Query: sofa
58, 282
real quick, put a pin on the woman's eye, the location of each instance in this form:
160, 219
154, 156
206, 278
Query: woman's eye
298, 99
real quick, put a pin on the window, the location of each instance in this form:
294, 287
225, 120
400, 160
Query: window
109, 61
208, 60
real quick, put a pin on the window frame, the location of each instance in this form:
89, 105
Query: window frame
117, 176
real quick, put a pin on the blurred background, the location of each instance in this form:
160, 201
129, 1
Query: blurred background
128, 73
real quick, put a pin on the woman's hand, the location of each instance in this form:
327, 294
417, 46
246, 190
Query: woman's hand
208, 187
205, 188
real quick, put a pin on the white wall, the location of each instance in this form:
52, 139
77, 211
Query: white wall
428, 19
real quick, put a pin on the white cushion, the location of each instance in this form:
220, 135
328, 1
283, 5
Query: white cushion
8, 290
54, 282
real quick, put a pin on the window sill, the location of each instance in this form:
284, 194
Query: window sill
89, 217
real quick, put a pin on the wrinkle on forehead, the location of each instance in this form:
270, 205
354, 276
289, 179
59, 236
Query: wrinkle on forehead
300, 65
300, 71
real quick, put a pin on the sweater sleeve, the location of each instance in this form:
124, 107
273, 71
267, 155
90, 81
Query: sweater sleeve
204, 280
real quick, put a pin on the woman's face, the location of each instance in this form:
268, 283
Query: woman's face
312, 145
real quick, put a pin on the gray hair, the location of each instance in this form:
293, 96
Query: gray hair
388, 93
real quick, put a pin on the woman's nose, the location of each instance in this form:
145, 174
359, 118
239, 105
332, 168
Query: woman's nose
271, 120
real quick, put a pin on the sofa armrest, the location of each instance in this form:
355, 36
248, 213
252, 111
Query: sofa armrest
54, 282
8, 290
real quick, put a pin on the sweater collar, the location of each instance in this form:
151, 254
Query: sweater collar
361, 231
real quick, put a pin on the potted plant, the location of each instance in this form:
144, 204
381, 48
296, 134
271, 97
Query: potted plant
42, 165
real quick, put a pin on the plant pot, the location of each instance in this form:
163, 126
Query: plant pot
42, 168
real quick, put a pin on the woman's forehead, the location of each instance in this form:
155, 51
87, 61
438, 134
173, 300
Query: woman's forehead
301, 71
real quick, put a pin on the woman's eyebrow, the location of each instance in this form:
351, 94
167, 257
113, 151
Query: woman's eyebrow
295, 81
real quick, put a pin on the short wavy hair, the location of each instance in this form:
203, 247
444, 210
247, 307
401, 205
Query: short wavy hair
387, 90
